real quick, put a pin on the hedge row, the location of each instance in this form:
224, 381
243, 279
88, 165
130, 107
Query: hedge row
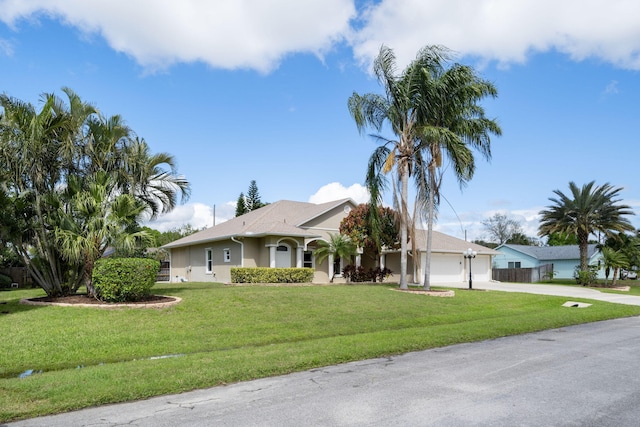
271, 275
124, 279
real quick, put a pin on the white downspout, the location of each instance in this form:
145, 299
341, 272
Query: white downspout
241, 250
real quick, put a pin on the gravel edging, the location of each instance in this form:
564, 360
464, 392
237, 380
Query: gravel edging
174, 301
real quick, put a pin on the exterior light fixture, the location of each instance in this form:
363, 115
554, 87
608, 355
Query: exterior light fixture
468, 254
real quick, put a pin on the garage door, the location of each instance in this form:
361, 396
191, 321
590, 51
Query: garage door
445, 268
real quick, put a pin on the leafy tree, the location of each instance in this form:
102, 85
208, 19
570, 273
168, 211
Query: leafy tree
175, 234
154, 235
562, 239
241, 208
485, 244
70, 172
339, 247
433, 111
358, 227
520, 238
501, 228
588, 209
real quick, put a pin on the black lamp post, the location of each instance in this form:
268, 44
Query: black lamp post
468, 254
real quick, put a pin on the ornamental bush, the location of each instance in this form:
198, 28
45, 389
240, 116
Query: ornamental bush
271, 275
5, 281
124, 279
360, 274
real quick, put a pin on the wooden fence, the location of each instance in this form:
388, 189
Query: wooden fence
522, 275
19, 275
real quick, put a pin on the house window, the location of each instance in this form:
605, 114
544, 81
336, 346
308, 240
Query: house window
514, 264
208, 262
307, 260
282, 248
226, 255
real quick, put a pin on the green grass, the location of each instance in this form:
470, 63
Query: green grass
221, 334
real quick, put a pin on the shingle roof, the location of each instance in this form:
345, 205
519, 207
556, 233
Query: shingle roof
553, 252
444, 243
282, 218
287, 218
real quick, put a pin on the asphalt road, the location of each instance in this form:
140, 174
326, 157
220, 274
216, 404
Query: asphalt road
585, 375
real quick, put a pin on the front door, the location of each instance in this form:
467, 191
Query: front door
283, 256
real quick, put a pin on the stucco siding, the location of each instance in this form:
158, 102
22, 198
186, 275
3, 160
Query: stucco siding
252, 253
329, 220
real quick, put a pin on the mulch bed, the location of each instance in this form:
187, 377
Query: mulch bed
153, 301
433, 292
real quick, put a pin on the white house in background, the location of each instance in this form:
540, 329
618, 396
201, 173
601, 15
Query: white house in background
286, 234
565, 259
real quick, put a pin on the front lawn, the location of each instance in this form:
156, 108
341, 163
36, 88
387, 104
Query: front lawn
220, 334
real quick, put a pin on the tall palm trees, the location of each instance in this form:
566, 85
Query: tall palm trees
588, 209
76, 179
433, 112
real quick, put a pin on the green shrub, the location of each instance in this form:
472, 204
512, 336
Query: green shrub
5, 281
359, 274
271, 275
124, 279
586, 277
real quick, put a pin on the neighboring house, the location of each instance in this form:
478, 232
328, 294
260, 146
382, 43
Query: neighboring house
565, 259
286, 234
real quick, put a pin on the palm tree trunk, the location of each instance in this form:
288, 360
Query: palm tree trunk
427, 264
404, 224
583, 243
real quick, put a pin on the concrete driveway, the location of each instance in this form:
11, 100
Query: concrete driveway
583, 375
620, 297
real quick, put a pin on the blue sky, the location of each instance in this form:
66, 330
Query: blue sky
258, 90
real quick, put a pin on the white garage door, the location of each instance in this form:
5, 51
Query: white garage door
445, 268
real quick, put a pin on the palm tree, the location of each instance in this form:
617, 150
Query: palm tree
93, 221
433, 113
451, 125
620, 251
339, 246
616, 259
30, 146
395, 109
588, 209
54, 159
153, 178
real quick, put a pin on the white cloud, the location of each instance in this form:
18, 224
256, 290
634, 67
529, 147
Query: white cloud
337, 191
198, 215
6, 48
258, 34
611, 88
254, 34
506, 31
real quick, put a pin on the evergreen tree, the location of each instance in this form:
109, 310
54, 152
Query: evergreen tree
241, 207
253, 201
